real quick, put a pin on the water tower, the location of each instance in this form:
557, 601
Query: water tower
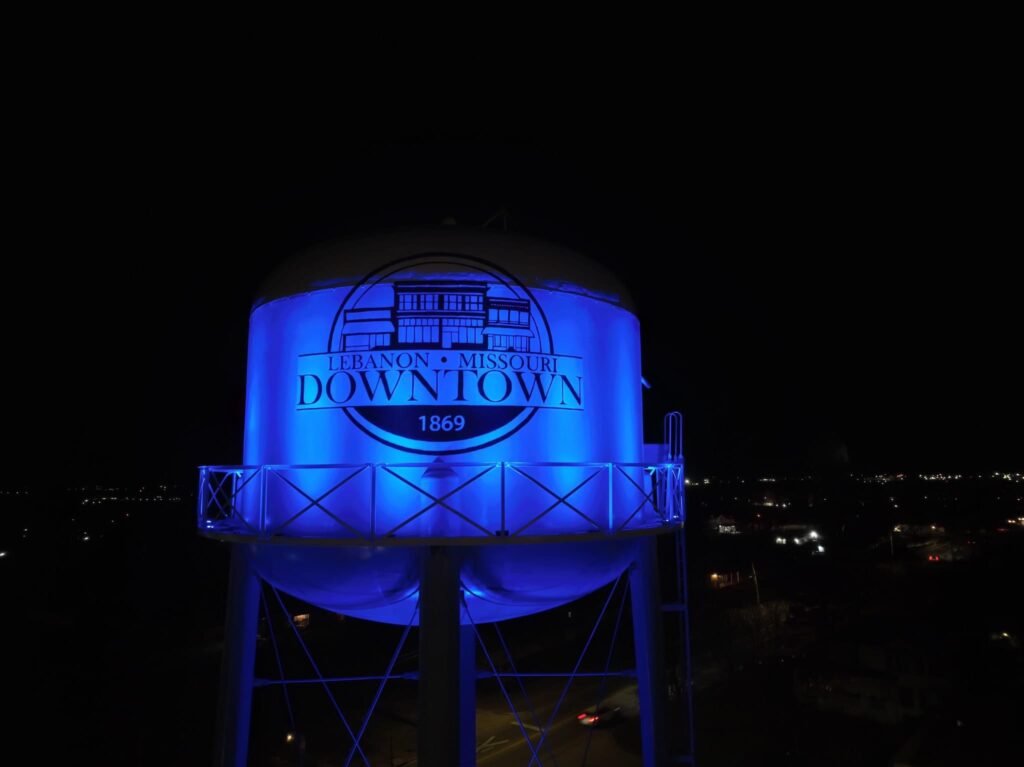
443, 428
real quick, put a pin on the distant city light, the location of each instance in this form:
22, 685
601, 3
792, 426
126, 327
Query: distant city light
821, 549
812, 535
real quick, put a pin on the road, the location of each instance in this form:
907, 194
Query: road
500, 740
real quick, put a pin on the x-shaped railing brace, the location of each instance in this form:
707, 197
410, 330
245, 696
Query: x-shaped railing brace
647, 499
560, 499
317, 503
435, 501
229, 513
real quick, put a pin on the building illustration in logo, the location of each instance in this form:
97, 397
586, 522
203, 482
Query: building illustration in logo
442, 314
438, 353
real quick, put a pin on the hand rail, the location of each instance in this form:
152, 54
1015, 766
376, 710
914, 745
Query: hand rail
379, 503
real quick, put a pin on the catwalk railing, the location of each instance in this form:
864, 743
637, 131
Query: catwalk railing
401, 503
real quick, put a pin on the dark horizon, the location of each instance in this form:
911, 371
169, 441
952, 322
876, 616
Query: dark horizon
842, 306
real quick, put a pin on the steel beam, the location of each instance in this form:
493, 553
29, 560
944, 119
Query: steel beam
652, 681
467, 696
238, 662
440, 724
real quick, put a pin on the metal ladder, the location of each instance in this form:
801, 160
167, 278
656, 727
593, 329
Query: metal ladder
679, 605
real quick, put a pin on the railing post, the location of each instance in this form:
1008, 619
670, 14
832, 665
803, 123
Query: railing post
201, 511
504, 522
233, 510
611, 498
681, 492
373, 501
668, 490
652, 474
263, 501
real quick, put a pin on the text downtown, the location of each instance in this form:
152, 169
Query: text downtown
445, 377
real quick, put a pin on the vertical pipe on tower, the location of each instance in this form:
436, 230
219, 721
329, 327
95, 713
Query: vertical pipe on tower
438, 735
238, 662
467, 696
650, 657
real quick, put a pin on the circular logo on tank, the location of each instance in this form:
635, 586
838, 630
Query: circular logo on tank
440, 353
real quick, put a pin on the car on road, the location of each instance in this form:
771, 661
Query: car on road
600, 716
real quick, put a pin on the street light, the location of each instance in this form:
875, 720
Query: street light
300, 739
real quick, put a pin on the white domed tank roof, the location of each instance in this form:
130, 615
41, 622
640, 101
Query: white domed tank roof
537, 263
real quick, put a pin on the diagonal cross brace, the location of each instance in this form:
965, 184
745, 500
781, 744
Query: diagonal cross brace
277, 657
560, 499
501, 684
648, 498
229, 512
522, 687
380, 687
576, 668
437, 501
607, 667
317, 502
323, 682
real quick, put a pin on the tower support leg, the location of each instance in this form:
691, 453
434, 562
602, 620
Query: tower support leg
467, 699
238, 662
652, 681
446, 706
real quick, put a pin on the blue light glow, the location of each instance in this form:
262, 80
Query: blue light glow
450, 357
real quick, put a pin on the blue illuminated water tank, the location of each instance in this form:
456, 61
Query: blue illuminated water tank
440, 364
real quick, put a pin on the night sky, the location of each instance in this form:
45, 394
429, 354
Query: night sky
824, 283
